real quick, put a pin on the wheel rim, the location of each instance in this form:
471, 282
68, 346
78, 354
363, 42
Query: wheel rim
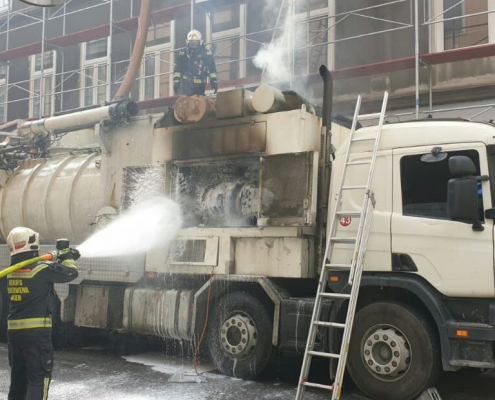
238, 335
386, 352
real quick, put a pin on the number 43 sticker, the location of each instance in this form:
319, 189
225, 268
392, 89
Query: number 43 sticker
345, 221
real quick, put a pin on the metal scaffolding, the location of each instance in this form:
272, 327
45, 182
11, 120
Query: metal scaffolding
319, 25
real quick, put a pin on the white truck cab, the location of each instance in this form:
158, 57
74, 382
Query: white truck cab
428, 289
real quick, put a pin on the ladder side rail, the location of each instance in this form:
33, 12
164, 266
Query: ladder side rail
377, 141
339, 194
324, 272
359, 256
371, 174
351, 310
356, 252
338, 200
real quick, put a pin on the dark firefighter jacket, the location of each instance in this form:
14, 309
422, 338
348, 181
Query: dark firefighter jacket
31, 293
195, 68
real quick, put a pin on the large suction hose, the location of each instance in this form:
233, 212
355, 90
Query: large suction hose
13, 268
138, 51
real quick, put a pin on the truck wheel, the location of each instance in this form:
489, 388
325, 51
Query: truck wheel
240, 336
394, 352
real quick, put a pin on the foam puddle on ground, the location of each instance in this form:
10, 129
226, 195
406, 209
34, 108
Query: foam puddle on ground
180, 372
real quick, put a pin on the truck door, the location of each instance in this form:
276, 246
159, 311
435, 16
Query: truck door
450, 255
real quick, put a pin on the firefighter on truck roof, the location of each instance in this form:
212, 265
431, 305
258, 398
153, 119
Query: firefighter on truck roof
194, 66
31, 295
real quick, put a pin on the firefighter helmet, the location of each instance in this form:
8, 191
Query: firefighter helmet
23, 239
194, 39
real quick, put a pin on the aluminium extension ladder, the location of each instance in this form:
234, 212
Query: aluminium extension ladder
355, 267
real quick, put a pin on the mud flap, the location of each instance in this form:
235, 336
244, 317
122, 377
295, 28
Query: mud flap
430, 394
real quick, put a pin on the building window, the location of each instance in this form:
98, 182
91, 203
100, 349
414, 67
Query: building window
302, 5
461, 30
311, 38
3, 91
41, 105
226, 27
424, 185
94, 72
4, 5
156, 70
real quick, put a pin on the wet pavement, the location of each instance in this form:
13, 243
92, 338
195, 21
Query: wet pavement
99, 373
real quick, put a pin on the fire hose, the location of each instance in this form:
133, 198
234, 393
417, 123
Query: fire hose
13, 268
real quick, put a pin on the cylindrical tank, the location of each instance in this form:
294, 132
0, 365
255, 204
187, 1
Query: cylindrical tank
267, 99
57, 197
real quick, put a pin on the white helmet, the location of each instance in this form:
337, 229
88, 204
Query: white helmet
22, 239
194, 39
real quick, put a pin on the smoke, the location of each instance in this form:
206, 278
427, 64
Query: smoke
144, 226
278, 59
274, 58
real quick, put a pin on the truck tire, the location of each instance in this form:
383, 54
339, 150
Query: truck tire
240, 336
394, 352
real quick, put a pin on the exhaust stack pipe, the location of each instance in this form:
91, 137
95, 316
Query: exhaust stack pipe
78, 120
327, 96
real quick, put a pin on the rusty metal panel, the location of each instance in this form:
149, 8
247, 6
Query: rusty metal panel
163, 313
92, 306
236, 139
288, 189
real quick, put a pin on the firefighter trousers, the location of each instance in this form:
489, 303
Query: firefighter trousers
31, 362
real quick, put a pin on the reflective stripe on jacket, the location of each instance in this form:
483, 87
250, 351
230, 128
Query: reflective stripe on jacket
31, 293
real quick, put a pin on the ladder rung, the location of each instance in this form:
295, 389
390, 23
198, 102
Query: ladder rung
324, 355
351, 214
354, 187
364, 117
336, 295
345, 240
317, 385
345, 267
359, 163
330, 324
364, 139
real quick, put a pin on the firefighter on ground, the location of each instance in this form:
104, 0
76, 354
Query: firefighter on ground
31, 295
194, 66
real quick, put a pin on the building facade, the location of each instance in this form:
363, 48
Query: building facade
76, 55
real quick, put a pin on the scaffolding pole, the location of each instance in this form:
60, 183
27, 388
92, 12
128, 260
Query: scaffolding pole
110, 57
416, 53
192, 14
42, 65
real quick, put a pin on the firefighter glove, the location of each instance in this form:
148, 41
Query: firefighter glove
214, 85
64, 254
176, 88
75, 254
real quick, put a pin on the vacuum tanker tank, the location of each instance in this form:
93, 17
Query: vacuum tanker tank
57, 197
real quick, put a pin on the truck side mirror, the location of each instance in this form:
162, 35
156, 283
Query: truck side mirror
463, 191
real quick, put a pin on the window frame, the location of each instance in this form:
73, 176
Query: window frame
5, 7
156, 51
34, 75
233, 33
94, 64
314, 16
